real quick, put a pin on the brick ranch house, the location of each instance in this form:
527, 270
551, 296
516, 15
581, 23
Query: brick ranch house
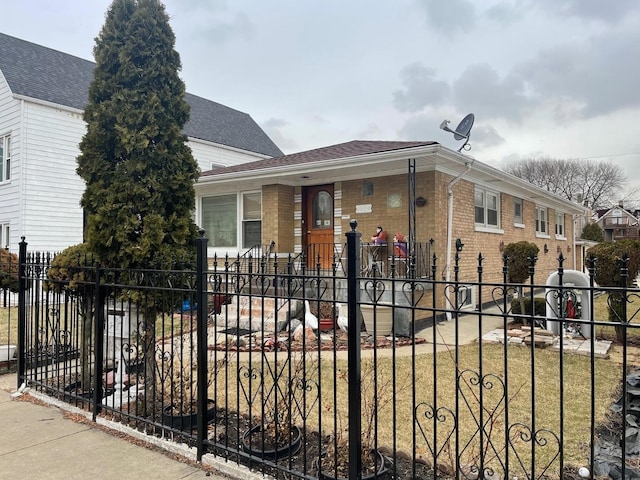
309, 198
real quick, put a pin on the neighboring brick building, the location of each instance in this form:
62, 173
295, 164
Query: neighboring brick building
309, 198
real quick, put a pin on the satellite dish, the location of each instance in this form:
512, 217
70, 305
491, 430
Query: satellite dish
462, 131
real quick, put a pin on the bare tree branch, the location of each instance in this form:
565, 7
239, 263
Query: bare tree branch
597, 184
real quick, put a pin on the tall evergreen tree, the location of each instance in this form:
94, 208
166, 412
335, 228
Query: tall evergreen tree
138, 170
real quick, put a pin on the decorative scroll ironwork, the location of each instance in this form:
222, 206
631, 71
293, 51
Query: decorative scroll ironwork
480, 454
53, 343
543, 438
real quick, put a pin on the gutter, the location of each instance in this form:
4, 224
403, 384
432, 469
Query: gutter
46, 103
450, 231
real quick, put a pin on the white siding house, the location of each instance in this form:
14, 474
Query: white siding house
42, 96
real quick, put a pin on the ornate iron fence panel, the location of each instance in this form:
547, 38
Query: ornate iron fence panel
314, 372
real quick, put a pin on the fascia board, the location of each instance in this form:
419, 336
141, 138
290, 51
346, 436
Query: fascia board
45, 103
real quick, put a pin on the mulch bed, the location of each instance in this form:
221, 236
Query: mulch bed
336, 340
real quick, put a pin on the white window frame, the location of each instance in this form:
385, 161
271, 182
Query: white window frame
243, 219
542, 221
518, 220
240, 219
5, 237
485, 195
560, 226
5, 161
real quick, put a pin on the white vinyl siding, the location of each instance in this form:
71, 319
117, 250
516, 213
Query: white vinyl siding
210, 155
50, 209
11, 191
42, 200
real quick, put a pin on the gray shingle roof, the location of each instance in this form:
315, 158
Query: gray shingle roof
45, 74
343, 150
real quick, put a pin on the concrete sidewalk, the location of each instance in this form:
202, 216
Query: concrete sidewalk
43, 442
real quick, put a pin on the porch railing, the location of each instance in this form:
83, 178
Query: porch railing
379, 260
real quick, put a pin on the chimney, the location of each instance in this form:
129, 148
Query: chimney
621, 203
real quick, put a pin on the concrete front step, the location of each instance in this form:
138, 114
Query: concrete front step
258, 313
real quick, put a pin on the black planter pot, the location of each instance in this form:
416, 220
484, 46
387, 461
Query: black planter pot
188, 421
76, 388
252, 443
381, 470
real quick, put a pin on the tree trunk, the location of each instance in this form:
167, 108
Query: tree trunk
148, 345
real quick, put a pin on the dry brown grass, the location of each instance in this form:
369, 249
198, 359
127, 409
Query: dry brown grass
435, 384
8, 325
601, 314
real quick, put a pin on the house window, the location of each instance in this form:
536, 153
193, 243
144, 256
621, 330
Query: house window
487, 208
541, 221
560, 225
4, 235
220, 220
220, 216
5, 158
367, 189
517, 211
251, 219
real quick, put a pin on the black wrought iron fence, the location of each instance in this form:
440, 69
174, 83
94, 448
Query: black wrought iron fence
8, 302
308, 373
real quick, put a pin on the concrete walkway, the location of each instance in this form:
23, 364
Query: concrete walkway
43, 442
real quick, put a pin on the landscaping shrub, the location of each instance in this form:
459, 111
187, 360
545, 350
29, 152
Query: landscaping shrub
540, 304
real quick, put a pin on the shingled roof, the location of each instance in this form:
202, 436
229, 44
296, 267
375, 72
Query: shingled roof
353, 148
45, 74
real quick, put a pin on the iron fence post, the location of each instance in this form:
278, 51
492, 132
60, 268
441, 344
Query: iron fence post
22, 312
353, 354
99, 339
202, 339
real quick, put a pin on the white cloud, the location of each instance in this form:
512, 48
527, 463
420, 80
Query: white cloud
552, 77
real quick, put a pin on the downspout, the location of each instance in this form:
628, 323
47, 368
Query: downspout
22, 202
573, 246
450, 232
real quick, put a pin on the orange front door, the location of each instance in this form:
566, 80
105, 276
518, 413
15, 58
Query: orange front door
317, 225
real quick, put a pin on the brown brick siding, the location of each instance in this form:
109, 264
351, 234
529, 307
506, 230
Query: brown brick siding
277, 216
431, 223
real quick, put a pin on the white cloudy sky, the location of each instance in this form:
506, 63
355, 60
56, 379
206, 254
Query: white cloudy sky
558, 78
